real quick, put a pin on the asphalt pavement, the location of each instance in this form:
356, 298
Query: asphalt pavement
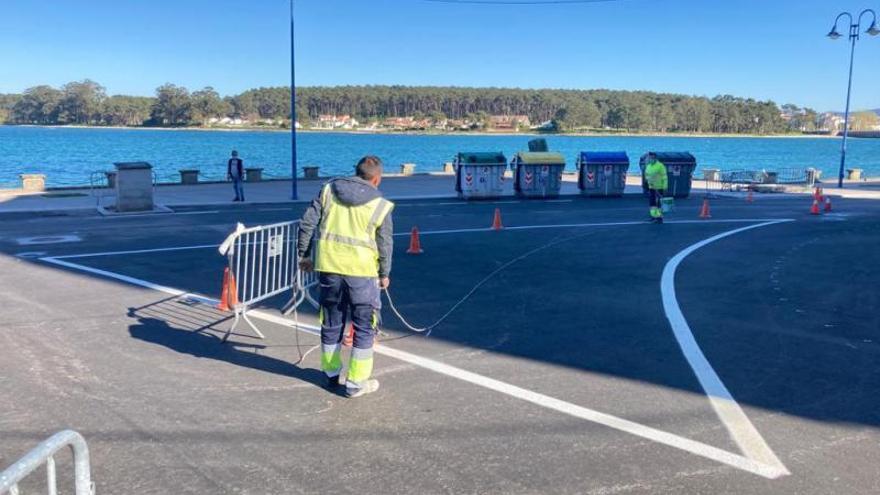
563, 372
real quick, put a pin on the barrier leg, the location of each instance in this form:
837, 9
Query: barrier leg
231, 328
251, 324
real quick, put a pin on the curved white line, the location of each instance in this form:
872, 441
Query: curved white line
735, 420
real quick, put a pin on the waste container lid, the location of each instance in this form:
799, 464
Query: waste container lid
481, 158
540, 158
604, 157
672, 158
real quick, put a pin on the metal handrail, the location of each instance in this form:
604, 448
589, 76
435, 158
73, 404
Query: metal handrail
44, 453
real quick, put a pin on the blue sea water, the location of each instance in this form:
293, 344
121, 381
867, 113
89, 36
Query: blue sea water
68, 155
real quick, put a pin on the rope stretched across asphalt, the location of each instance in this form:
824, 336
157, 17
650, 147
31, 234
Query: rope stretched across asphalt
428, 329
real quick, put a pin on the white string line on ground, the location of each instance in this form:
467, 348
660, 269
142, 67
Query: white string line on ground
694, 447
758, 460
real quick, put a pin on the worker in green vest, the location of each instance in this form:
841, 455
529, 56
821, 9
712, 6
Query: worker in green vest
353, 233
655, 176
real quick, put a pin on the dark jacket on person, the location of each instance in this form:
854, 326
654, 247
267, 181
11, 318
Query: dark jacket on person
236, 164
349, 191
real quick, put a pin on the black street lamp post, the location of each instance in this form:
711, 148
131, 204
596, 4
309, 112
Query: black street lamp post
854, 28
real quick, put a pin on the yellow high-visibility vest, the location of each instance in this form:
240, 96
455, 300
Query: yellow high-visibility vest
346, 237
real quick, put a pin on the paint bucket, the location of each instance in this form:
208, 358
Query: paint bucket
667, 204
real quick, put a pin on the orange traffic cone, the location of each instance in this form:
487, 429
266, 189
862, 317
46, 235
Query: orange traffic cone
750, 198
415, 245
229, 292
814, 210
827, 204
348, 340
496, 222
704, 211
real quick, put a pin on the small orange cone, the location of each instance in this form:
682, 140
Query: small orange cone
348, 340
750, 198
704, 211
229, 292
827, 204
496, 222
224, 291
415, 245
814, 210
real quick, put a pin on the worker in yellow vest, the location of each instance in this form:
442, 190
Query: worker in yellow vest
353, 233
657, 180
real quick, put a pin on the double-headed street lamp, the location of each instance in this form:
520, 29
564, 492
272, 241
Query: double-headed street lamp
854, 27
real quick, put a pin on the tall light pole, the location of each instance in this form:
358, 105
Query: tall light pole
293, 192
854, 27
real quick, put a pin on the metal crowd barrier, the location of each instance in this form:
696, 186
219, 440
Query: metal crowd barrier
746, 179
263, 263
44, 453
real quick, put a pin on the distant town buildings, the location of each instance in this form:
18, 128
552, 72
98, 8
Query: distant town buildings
509, 122
336, 122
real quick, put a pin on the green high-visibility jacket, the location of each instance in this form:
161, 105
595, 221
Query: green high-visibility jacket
655, 175
346, 240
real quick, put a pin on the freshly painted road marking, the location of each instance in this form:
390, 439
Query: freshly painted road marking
47, 239
135, 251
432, 232
731, 414
756, 461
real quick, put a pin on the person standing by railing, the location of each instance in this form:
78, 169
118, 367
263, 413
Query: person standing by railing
235, 173
352, 227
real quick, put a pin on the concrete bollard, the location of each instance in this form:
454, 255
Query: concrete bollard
33, 182
189, 176
134, 186
407, 168
253, 174
310, 172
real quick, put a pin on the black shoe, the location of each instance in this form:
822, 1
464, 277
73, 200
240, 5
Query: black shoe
236, 199
659, 220
332, 383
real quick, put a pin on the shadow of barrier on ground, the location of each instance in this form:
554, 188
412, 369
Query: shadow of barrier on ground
196, 329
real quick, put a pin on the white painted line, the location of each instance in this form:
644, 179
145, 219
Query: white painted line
125, 278
597, 224
209, 212
731, 414
47, 239
697, 448
134, 251
457, 203
430, 232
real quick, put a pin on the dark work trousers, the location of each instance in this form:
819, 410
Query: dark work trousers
339, 296
654, 197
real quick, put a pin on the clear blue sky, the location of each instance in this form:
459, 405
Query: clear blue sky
766, 49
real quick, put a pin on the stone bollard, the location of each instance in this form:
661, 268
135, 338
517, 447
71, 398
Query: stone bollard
310, 172
407, 168
854, 173
253, 174
189, 176
448, 168
33, 182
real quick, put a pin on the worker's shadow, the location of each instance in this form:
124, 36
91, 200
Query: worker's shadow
208, 346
